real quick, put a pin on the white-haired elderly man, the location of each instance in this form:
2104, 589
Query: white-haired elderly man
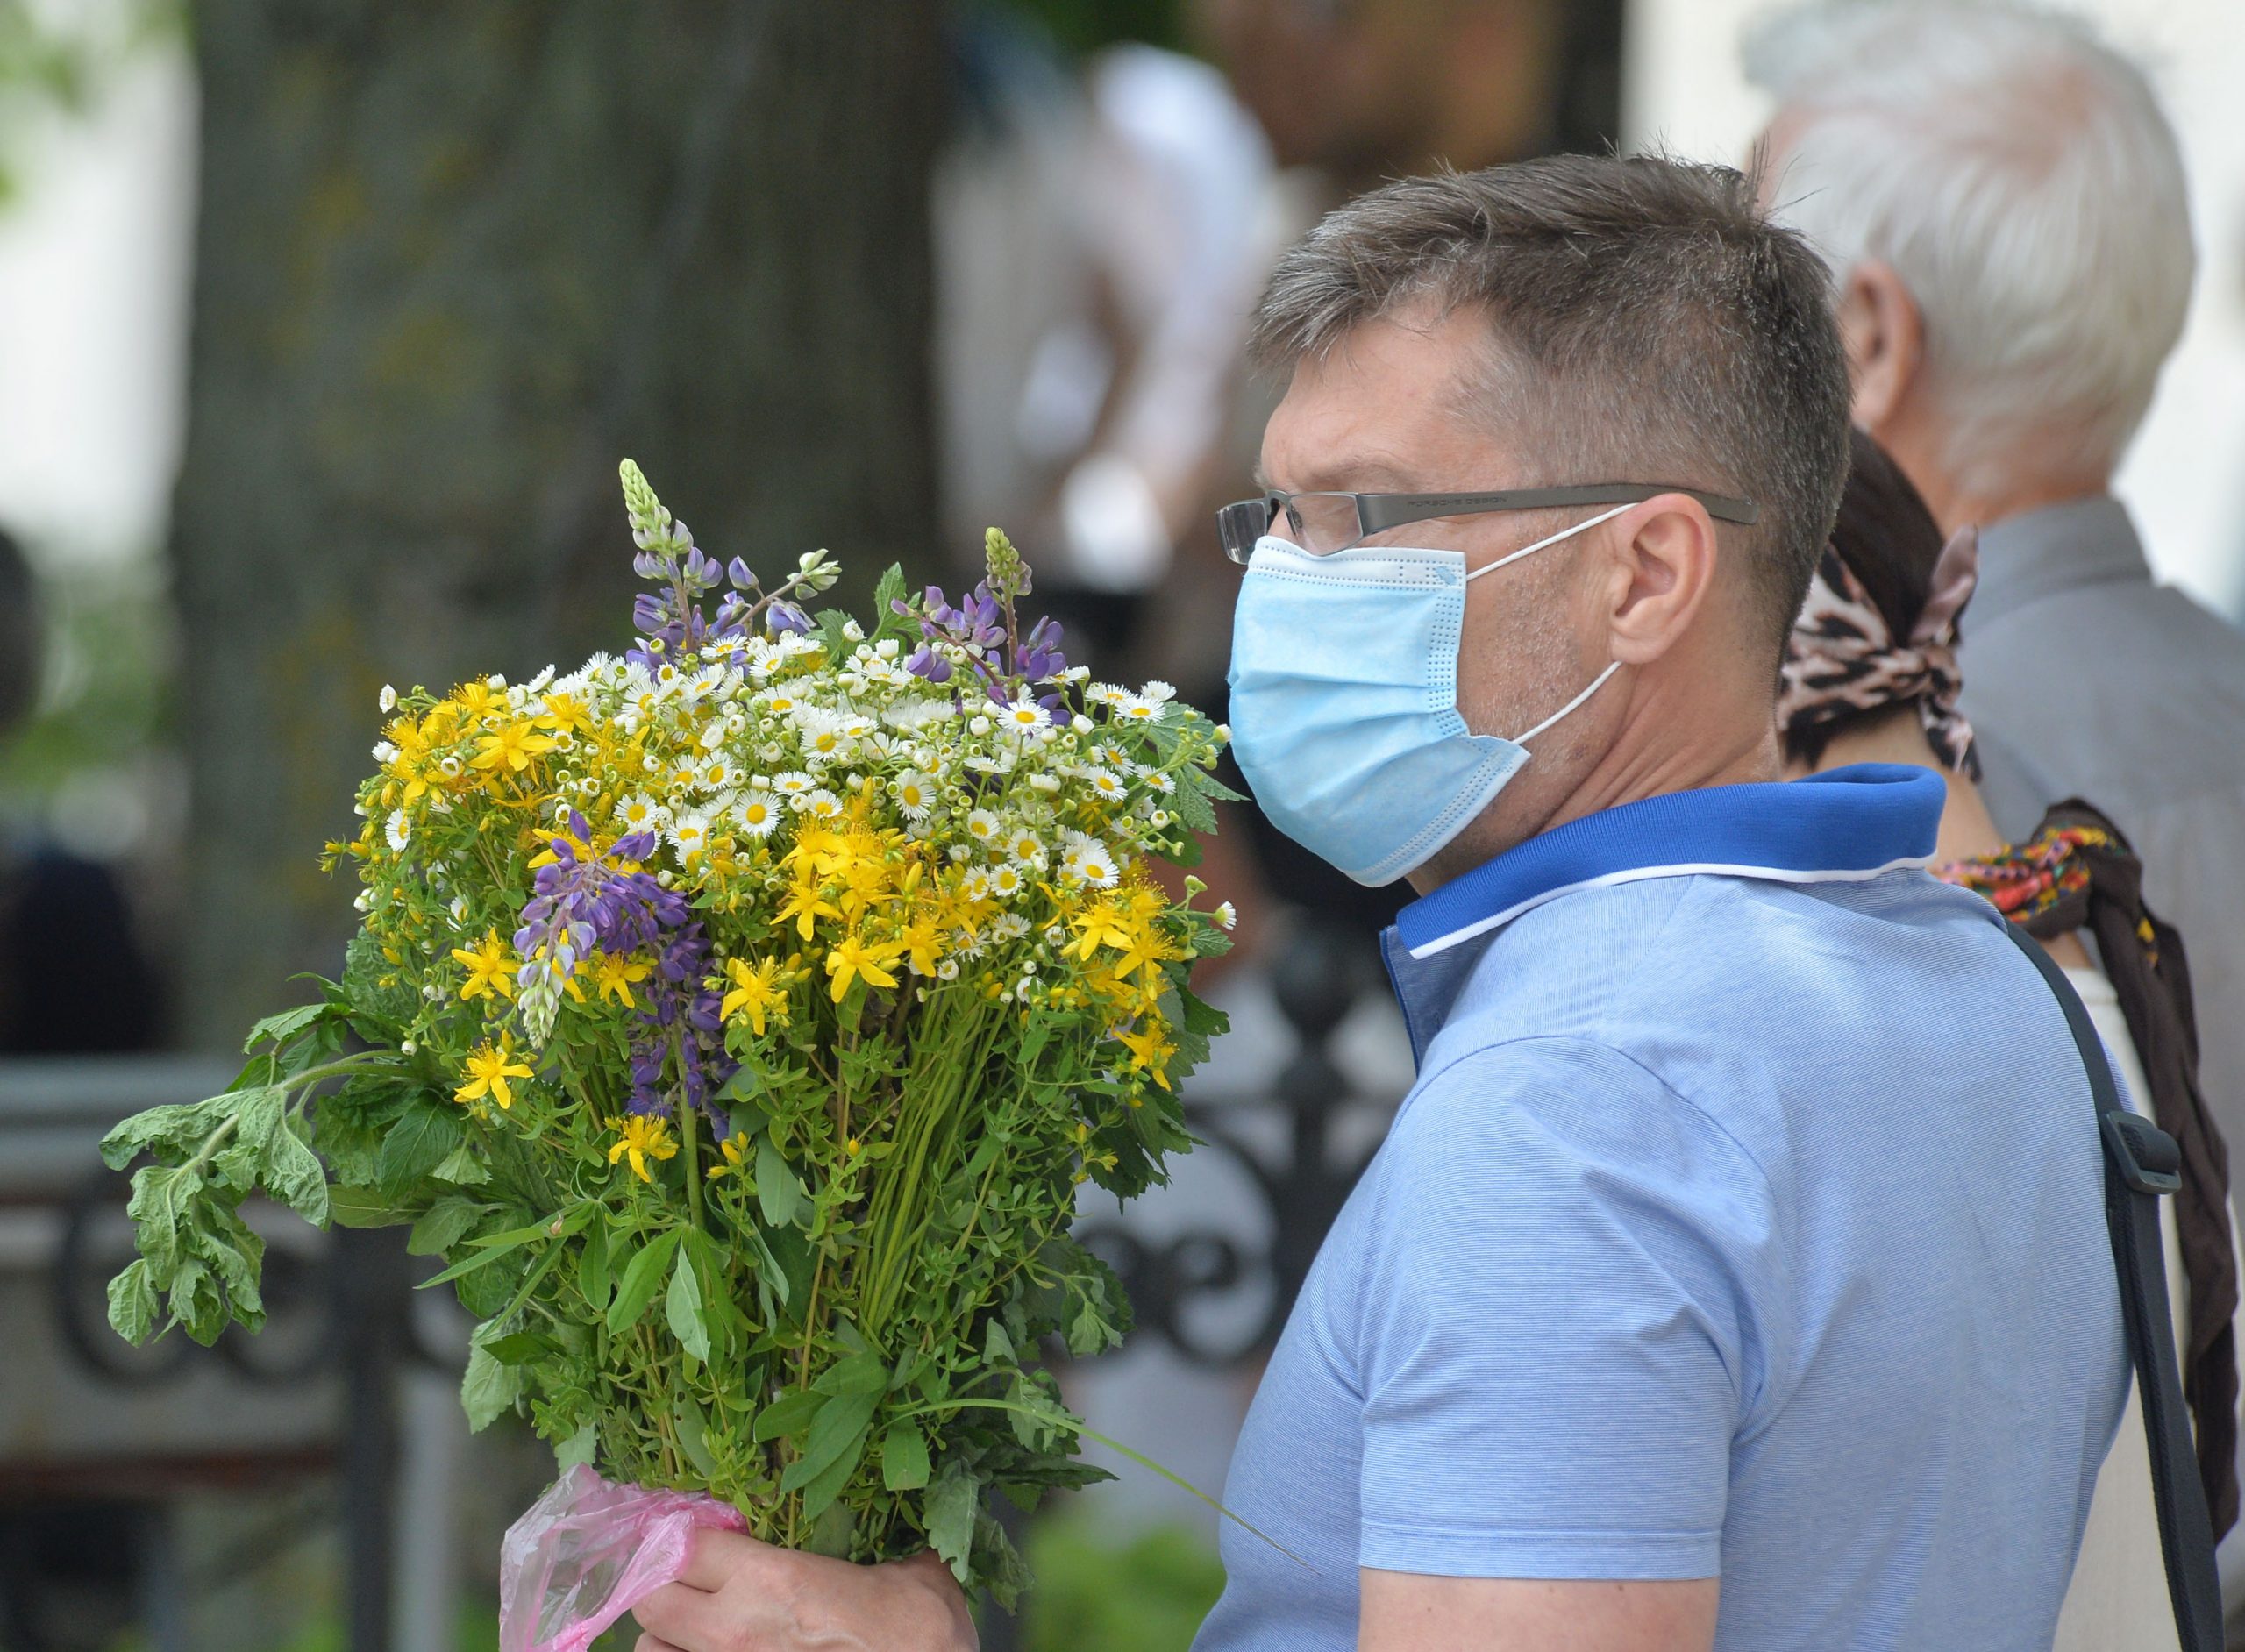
2003, 207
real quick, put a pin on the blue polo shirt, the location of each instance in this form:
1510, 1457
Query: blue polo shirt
1745, 1222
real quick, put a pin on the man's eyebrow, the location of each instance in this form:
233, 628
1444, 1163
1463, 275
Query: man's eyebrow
1347, 475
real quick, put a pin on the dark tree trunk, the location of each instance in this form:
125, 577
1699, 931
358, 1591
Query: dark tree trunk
456, 259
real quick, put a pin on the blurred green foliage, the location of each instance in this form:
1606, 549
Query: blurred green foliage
1093, 1594
1086, 25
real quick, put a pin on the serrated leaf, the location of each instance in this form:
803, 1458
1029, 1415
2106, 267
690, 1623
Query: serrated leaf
997, 1347
776, 1191
578, 1450
904, 1457
278, 1028
133, 1302
293, 1174
183, 1127
682, 1307
836, 1433
419, 1140
361, 1208
160, 1197
787, 1416
642, 1276
462, 1168
487, 1388
950, 1509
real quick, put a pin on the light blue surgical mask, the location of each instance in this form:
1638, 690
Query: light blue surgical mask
1344, 701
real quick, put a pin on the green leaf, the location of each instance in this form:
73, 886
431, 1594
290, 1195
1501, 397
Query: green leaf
904, 1457
160, 1198
593, 1281
462, 1168
443, 1223
865, 1373
578, 1449
362, 1207
837, 1435
488, 1389
693, 1426
890, 590
489, 1249
776, 1189
293, 1174
420, 1139
641, 1276
520, 1348
683, 1308
279, 1029
787, 1416
133, 1302
950, 1509
180, 1128
1089, 1334
997, 1347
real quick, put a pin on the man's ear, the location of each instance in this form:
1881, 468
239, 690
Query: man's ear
1885, 334
1663, 567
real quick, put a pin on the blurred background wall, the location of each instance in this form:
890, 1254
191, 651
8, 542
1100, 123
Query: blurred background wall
321, 326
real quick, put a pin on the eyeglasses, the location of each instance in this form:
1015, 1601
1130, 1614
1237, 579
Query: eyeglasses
1322, 523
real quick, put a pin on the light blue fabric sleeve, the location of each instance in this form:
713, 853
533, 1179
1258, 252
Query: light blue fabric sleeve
1566, 1318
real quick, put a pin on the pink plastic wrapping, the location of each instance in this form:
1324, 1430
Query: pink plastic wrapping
588, 1552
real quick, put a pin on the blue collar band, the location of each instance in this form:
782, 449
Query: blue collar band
1841, 826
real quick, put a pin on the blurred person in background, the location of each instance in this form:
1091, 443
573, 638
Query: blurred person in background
1871, 676
72, 979
2002, 204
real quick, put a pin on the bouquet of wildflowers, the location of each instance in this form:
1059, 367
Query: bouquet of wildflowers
736, 1020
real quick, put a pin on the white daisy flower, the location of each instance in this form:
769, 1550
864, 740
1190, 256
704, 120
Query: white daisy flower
1011, 926
459, 908
1226, 915
1138, 708
757, 813
713, 737
1097, 866
792, 782
641, 814
1158, 691
915, 794
1027, 848
1005, 882
819, 804
1026, 720
397, 829
689, 836
387, 698
1104, 784
1105, 694
982, 825
716, 774
975, 886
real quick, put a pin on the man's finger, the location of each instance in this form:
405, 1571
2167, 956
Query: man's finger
681, 1617
713, 1557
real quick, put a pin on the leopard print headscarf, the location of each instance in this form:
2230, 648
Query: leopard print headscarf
1842, 659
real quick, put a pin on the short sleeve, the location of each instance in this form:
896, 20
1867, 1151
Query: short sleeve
1563, 1311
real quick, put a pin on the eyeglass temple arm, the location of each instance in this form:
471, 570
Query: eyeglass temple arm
1377, 513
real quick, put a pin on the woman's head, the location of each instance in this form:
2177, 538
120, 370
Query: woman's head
1878, 634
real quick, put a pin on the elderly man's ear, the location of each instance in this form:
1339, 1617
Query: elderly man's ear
1884, 335
1665, 563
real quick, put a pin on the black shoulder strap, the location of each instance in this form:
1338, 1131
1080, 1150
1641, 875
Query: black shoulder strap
2142, 1163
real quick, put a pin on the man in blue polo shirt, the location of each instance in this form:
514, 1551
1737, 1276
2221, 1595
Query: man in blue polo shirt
1734, 1275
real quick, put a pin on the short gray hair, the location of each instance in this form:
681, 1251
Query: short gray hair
2018, 176
1647, 323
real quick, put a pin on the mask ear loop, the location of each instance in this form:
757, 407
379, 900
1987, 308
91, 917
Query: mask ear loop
1564, 533
1596, 683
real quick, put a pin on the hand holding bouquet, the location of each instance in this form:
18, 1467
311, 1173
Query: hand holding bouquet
737, 1020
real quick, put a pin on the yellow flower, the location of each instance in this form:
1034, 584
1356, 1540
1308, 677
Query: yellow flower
807, 902
735, 1148
755, 993
490, 971
510, 747
615, 973
489, 1066
851, 958
565, 714
642, 1138
921, 943
1150, 1051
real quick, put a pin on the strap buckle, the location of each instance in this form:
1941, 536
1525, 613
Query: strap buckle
2150, 1160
